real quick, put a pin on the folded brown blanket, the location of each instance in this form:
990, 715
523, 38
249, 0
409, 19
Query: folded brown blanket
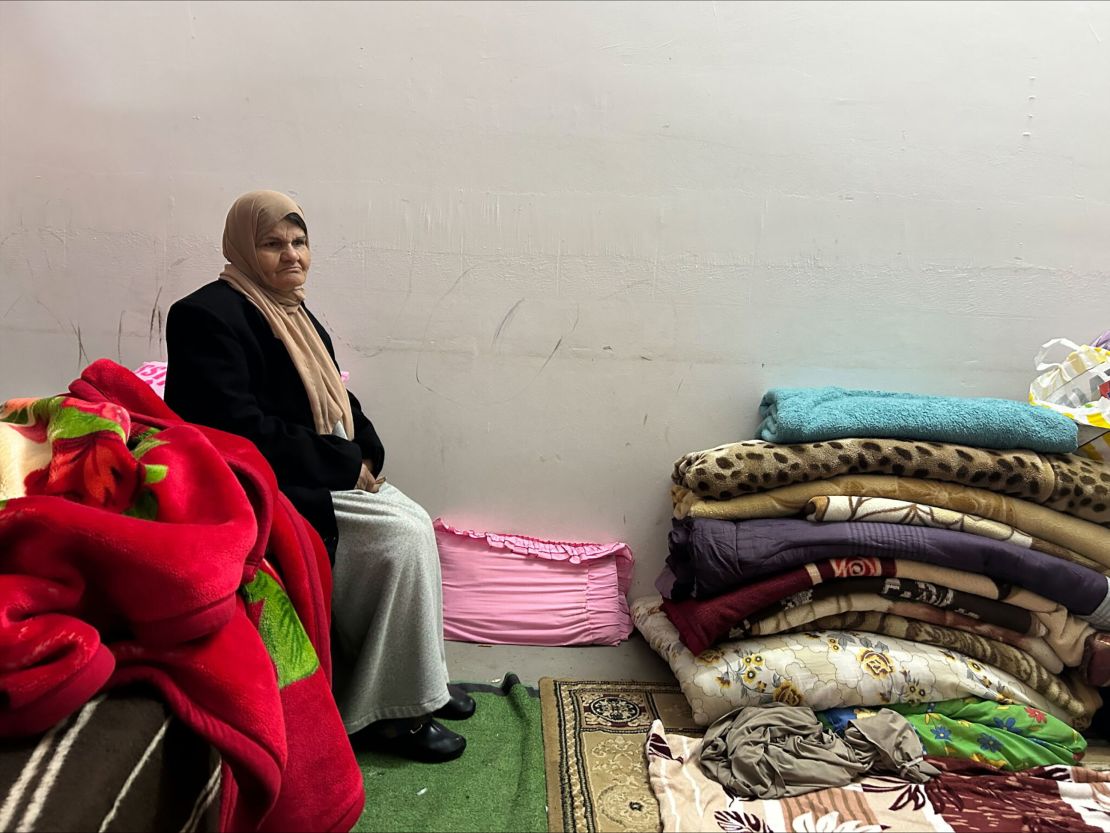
1064, 633
1065, 482
1025, 613
864, 509
799, 619
1085, 537
1096, 659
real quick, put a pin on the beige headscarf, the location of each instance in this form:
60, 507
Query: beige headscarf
250, 217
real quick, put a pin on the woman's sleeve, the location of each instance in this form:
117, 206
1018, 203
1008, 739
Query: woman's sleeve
366, 437
208, 382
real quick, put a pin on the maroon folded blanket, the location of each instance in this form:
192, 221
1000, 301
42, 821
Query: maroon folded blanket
701, 623
981, 609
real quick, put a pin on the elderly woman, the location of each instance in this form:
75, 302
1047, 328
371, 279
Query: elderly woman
246, 356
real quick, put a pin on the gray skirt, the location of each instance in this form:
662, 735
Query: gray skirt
387, 609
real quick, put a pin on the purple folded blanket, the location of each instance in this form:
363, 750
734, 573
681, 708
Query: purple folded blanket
709, 557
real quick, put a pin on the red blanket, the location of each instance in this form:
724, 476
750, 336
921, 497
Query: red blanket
131, 549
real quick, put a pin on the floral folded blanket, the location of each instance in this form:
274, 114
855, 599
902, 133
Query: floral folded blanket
1065, 482
853, 608
1003, 735
831, 669
1027, 658
1022, 659
1069, 691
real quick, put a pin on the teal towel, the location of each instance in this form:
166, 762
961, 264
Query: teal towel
796, 415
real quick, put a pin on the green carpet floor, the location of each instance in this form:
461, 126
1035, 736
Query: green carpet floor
497, 784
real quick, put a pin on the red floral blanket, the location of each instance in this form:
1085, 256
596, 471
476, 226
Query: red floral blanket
131, 548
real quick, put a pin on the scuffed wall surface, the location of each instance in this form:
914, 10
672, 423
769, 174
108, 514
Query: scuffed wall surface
560, 244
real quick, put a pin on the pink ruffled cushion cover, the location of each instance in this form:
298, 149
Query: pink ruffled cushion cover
517, 590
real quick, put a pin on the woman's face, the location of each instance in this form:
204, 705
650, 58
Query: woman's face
283, 256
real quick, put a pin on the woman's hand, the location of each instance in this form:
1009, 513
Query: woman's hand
367, 482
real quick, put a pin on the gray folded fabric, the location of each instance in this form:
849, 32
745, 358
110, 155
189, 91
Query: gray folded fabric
775, 751
887, 742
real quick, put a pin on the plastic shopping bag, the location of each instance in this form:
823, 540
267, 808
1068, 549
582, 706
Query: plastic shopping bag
1076, 387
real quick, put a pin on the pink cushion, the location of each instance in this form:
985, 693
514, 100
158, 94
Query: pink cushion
517, 590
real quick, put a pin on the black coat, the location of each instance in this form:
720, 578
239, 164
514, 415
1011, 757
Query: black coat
226, 369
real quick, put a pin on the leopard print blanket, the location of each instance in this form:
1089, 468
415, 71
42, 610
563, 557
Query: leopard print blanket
1066, 483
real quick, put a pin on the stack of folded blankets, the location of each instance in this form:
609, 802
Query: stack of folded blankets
944, 556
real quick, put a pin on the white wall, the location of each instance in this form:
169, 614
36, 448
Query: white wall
559, 244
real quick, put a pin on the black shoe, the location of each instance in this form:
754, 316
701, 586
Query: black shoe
459, 707
422, 740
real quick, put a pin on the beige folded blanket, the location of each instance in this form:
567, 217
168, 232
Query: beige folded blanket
1085, 537
1064, 634
865, 509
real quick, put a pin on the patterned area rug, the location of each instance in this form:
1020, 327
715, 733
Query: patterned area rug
593, 745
